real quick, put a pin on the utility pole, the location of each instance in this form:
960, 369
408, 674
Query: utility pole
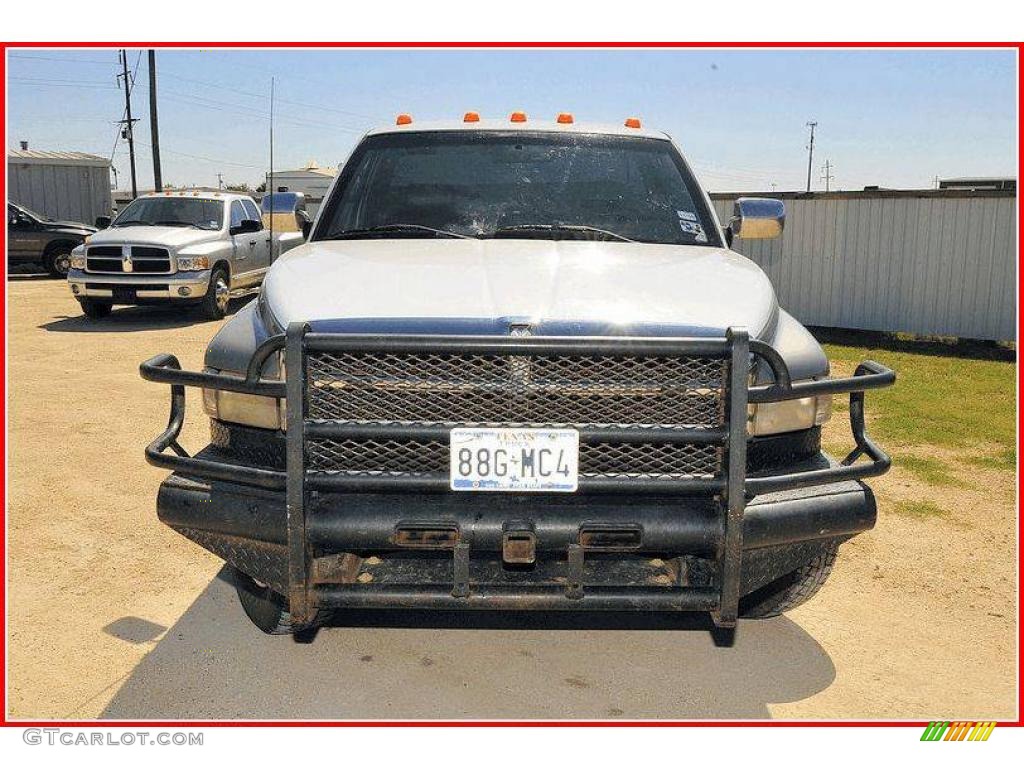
826, 174
128, 122
154, 128
810, 153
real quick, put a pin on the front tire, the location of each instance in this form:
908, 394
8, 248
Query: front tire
95, 310
267, 609
215, 303
58, 262
791, 590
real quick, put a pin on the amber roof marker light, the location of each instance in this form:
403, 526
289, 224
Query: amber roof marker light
565, 118
471, 117
632, 122
517, 117
403, 119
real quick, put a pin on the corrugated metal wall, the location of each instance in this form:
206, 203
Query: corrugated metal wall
71, 192
928, 264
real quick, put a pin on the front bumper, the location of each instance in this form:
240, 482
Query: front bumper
390, 540
139, 289
384, 536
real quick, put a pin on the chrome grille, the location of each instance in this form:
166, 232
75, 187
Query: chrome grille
147, 260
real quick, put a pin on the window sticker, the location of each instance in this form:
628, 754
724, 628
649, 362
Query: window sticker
687, 215
695, 229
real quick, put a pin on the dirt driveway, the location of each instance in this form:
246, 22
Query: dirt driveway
110, 614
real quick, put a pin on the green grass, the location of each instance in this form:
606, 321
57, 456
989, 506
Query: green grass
930, 470
954, 396
1005, 460
921, 510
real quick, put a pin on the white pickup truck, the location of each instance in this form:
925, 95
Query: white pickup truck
517, 366
182, 247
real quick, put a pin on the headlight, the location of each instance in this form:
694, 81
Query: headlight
251, 410
193, 263
789, 415
78, 262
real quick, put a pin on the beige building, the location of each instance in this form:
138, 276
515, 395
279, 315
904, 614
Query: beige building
311, 180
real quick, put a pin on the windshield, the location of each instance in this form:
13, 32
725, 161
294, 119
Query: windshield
30, 212
172, 212
526, 185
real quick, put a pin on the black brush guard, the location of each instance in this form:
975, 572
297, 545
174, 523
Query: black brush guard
289, 554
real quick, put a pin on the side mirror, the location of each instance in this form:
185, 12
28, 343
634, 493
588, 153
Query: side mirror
102, 222
757, 218
246, 226
307, 227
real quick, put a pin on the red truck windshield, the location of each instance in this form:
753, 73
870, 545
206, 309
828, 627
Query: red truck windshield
514, 184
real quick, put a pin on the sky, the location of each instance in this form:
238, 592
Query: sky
892, 118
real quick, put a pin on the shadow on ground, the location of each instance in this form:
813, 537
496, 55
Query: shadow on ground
24, 276
136, 319
937, 346
214, 664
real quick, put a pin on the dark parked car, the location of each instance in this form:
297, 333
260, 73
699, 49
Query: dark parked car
33, 238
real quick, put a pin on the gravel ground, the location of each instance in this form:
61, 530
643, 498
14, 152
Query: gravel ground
110, 614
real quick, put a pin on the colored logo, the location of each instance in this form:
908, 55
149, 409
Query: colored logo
958, 731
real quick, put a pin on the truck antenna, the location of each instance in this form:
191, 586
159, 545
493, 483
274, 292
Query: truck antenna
270, 183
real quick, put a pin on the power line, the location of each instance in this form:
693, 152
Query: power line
247, 111
249, 66
42, 83
54, 58
201, 157
263, 97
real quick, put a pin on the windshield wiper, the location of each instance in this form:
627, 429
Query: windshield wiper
382, 229
131, 222
556, 228
169, 223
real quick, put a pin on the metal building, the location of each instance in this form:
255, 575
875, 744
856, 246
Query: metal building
73, 186
311, 180
928, 262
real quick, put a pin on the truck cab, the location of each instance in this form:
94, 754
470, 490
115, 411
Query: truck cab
190, 248
518, 367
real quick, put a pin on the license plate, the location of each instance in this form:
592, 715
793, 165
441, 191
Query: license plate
511, 459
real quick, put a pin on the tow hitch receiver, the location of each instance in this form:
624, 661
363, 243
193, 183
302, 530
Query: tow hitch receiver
519, 545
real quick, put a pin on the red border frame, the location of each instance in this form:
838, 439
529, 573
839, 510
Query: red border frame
4, 722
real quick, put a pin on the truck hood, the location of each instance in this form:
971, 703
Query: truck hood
168, 237
76, 226
483, 286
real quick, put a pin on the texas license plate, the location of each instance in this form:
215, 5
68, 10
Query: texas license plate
513, 459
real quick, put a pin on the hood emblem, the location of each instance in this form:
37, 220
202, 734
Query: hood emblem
126, 258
